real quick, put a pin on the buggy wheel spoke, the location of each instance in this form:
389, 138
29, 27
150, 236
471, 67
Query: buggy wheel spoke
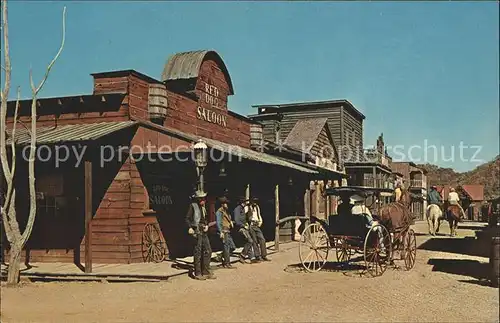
314, 247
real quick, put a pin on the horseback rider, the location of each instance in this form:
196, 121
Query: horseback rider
434, 197
454, 199
398, 191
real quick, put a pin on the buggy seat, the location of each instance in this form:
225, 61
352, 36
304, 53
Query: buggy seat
348, 225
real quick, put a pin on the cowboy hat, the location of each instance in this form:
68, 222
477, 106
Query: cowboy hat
356, 199
452, 189
223, 199
199, 194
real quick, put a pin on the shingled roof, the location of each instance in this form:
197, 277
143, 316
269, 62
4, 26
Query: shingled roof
475, 192
305, 133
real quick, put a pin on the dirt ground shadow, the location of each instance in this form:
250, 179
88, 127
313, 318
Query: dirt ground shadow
347, 269
466, 246
464, 267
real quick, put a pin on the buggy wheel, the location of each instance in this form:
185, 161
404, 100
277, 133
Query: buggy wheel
153, 246
342, 250
377, 250
410, 249
313, 247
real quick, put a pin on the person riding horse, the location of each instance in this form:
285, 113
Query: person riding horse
453, 211
454, 204
434, 197
398, 191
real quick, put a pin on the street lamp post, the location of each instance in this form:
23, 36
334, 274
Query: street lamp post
201, 160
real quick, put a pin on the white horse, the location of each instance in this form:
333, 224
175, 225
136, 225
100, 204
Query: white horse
434, 216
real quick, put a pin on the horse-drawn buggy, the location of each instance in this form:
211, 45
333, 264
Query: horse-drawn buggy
380, 238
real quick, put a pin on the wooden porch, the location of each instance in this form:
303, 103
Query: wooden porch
135, 272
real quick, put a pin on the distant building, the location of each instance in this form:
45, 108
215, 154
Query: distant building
415, 180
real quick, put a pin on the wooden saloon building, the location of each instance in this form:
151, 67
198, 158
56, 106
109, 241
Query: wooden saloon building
123, 183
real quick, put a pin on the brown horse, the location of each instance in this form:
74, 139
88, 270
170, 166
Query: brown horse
453, 213
396, 215
397, 219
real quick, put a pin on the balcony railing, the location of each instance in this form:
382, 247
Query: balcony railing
417, 183
377, 182
375, 156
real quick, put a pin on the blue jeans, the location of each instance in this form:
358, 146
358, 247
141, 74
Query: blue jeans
249, 244
259, 241
229, 246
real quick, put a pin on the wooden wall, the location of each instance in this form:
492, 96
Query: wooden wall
183, 113
351, 131
345, 126
323, 145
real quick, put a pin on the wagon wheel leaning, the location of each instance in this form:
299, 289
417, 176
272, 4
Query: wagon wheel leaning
342, 250
153, 245
410, 249
313, 247
377, 250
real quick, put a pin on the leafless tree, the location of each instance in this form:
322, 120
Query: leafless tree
17, 238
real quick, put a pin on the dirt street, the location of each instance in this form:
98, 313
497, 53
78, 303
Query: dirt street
274, 292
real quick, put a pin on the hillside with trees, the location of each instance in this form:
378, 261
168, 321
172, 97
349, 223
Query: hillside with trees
487, 174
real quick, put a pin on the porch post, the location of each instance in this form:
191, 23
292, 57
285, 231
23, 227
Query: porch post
374, 177
316, 199
307, 203
277, 211
327, 202
88, 217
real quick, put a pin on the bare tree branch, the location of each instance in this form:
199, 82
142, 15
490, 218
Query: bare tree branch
31, 162
21, 122
5, 94
13, 143
36, 90
10, 186
17, 239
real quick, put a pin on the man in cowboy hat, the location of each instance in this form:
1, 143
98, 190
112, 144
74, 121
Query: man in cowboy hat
243, 225
196, 219
257, 235
360, 209
224, 226
454, 199
434, 197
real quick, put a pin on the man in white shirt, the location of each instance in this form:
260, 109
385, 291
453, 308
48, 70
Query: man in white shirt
360, 208
255, 223
454, 199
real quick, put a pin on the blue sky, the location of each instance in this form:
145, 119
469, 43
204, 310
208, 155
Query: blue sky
422, 73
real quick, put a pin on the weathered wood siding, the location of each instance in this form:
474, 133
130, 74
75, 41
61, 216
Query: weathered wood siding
352, 124
183, 110
324, 146
269, 129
